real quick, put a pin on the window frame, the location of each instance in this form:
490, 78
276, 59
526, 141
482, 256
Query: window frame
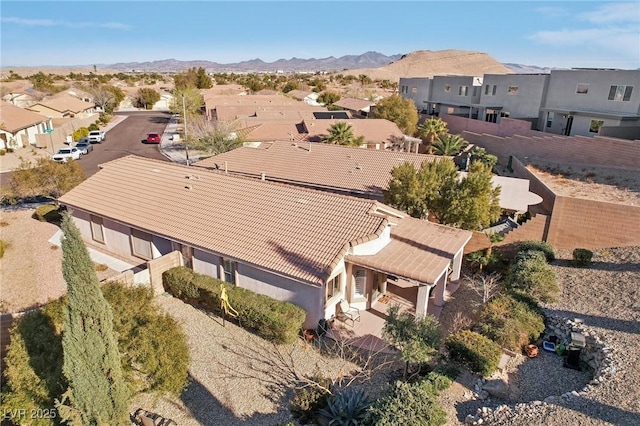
599, 123
356, 294
231, 274
140, 237
463, 91
334, 288
512, 90
620, 93
447, 88
97, 221
582, 88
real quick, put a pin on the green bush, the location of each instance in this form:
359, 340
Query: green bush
475, 351
309, 400
447, 369
582, 257
3, 151
408, 404
532, 275
510, 321
152, 344
271, 319
93, 126
546, 248
48, 213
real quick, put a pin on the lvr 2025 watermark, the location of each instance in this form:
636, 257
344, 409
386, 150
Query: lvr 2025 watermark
28, 413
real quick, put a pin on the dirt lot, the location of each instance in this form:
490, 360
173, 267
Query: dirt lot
31, 266
596, 183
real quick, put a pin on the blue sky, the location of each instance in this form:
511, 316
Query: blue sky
543, 33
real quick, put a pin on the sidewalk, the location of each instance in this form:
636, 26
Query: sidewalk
11, 160
174, 150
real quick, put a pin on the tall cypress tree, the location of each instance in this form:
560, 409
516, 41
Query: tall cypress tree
97, 393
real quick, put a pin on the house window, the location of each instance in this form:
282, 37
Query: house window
490, 89
549, 119
447, 88
475, 91
333, 287
512, 90
582, 89
361, 283
620, 93
404, 89
97, 229
463, 91
141, 244
414, 90
450, 110
595, 126
229, 267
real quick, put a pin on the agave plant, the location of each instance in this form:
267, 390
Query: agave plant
347, 408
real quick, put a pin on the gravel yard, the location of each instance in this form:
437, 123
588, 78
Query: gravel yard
606, 297
237, 377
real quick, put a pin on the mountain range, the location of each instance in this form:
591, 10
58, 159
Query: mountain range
365, 61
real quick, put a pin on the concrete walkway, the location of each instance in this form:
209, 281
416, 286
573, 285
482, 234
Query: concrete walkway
96, 256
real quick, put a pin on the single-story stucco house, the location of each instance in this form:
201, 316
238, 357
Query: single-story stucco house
305, 246
341, 169
19, 127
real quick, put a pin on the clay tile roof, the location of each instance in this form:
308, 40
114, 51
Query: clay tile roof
321, 165
67, 103
376, 130
419, 250
14, 119
295, 232
354, 104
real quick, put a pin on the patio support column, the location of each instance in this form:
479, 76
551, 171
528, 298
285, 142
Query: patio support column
457, 265
422, 302
441, 284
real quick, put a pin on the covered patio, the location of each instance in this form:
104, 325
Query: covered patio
367, 333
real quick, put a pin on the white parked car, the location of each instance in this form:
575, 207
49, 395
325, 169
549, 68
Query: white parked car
97, 136
65, 154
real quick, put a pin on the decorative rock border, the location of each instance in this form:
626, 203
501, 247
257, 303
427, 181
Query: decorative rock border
600, 358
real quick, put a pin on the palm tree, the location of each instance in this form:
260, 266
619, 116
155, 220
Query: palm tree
432, 128
341, 133
448, 145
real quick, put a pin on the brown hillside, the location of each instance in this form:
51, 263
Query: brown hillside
427, 63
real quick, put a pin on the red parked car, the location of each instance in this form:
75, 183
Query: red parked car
153, 138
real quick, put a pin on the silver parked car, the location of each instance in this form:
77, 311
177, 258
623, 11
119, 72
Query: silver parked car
84, 146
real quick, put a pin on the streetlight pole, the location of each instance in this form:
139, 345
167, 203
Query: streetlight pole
184, 119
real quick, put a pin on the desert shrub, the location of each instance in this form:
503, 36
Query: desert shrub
582, 257
3, 246
510, 321
47, 213
101, 267
475, 351
151, 342
532, 275
309, 400
408, 404
346, 408
80, 133
104, 118
93, 126
3, 151
33, 373
447, 369
546, 248
269, 318
153, 346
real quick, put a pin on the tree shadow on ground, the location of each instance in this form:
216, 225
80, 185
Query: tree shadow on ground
600, 266
208, 410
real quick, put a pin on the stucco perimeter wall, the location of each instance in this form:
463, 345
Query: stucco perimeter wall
582, 223
506, 127
535, 185
578, 150
158, 266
